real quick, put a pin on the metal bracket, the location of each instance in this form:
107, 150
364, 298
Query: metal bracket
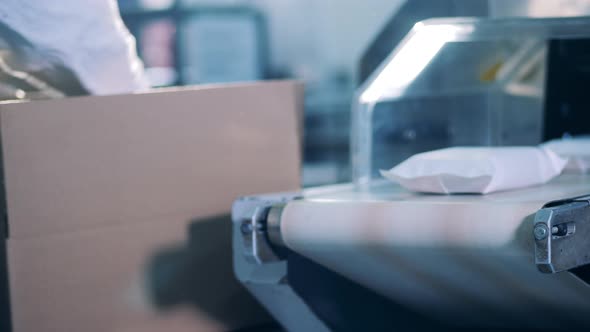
256, 245
562, 235
256, 224
258, 218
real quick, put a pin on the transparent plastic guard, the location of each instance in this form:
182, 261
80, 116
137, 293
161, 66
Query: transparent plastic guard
452, 82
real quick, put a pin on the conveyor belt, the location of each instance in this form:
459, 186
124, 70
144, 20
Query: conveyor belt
466, 259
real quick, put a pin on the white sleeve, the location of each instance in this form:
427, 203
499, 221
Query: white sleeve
88, 37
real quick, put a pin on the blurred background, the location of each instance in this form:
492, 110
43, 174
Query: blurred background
330, 45
184, 42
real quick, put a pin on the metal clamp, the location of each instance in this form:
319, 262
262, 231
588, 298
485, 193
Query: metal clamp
259, 231
562, 235
258, 219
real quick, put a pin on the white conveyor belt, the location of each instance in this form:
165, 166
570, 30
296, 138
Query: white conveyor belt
465, 259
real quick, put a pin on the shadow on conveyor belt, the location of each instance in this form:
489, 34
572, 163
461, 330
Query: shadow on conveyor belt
344, 305
200, 275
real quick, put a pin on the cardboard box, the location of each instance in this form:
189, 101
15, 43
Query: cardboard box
117, 206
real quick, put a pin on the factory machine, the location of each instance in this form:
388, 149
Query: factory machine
373, 256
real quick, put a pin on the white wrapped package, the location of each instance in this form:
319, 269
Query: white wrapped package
479, 170
576, 150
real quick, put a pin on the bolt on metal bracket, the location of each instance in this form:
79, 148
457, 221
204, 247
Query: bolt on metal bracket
258, 219
562, 235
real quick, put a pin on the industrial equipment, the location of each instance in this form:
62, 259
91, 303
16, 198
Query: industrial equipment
373, 256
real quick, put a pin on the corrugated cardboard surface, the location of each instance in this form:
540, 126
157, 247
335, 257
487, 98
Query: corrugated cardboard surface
88, 162
100, 190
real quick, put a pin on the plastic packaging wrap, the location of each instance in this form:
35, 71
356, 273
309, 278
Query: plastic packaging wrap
576, 150
478, 170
